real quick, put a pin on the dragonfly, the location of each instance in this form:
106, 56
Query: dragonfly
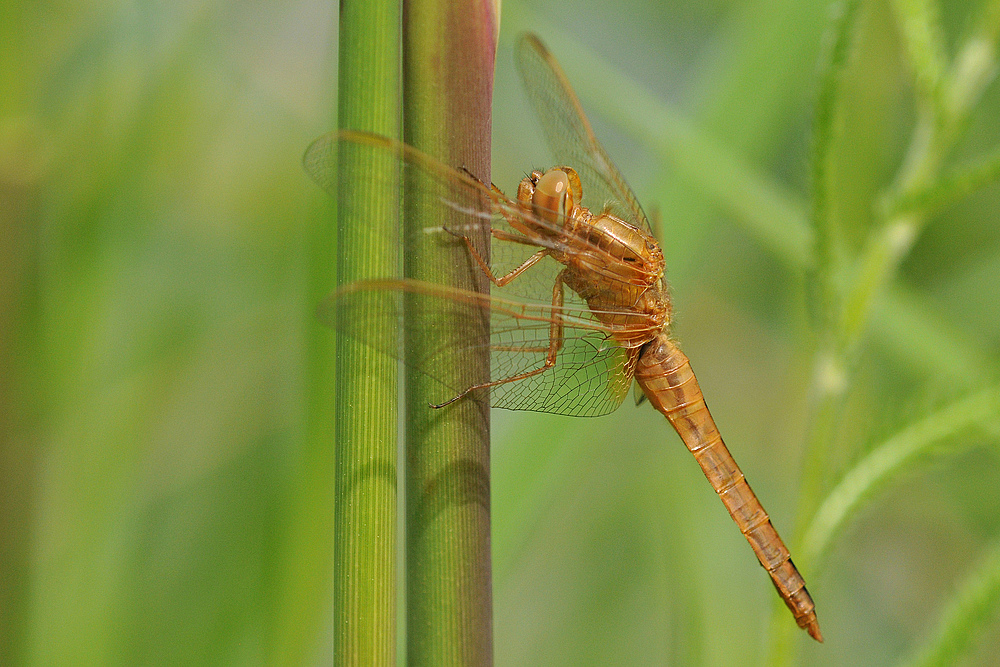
578, 309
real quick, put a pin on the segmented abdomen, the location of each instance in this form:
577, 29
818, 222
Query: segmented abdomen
665, 375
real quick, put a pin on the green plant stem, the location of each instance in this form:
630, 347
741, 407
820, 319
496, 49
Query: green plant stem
448, 61
936, 130
825, 261
365, 512
919, 24
877, 266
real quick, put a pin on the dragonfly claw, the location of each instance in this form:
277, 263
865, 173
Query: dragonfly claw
448, 402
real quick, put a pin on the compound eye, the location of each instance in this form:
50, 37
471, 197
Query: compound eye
552, 196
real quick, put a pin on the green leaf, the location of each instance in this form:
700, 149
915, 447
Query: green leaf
892, 459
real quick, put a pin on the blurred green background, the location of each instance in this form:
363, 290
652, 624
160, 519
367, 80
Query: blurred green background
167, 468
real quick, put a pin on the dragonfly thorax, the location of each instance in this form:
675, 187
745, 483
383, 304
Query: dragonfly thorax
627, 243
616, 249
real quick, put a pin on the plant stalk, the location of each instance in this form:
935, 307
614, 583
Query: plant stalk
448, 59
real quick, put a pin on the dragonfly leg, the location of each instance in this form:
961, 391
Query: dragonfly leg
503, 236
468, 173
507, 277
555, 345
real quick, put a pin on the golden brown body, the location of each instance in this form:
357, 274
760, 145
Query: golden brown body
666, 378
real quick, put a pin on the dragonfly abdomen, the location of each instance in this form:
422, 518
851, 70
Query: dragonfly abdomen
665, 375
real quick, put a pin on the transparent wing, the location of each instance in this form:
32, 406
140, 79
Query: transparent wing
591, 377
570, 136
592, 373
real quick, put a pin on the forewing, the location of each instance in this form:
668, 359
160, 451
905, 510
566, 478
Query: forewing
570, 136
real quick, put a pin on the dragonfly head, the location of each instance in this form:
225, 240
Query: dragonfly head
552, 195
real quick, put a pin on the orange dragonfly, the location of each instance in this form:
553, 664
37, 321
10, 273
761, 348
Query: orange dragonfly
578, 307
